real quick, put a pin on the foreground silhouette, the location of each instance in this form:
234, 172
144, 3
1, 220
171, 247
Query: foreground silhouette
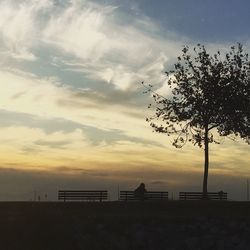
115, 226
140, 192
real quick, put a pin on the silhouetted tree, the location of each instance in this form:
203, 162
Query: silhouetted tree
210, 95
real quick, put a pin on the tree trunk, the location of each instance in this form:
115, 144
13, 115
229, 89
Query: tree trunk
206, 163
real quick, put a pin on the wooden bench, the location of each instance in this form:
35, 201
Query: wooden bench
82, 195
199, 196
150, 195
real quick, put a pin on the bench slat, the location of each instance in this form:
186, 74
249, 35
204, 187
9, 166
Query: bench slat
84, 195
93, 195
199, 196
84, 191
150, 195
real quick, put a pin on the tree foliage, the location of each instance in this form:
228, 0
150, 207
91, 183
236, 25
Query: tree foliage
210, 96
210, 93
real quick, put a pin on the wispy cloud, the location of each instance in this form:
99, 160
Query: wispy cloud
108, 48
19, 27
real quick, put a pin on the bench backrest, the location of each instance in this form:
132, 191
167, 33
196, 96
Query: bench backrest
149, 195
199, 196
83, 195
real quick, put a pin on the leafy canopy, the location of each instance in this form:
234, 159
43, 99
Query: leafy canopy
210, 94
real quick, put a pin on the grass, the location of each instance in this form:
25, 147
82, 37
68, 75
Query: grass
58, 225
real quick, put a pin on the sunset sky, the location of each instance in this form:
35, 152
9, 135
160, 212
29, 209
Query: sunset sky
72, 109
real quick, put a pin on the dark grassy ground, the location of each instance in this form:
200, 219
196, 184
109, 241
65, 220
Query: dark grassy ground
113, 225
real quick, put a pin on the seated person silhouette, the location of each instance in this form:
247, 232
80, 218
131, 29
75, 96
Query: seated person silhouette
140, 191
221, 194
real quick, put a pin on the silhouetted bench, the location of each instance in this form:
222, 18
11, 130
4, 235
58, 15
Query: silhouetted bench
150, 195
199, 196
82, 195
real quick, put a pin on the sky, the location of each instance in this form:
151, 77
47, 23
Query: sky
72, 109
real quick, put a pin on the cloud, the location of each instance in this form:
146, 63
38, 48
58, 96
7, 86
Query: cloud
48, 100
108, 48
83, 22
115, 52
19, 24
106, 98
51, 126
52, 144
